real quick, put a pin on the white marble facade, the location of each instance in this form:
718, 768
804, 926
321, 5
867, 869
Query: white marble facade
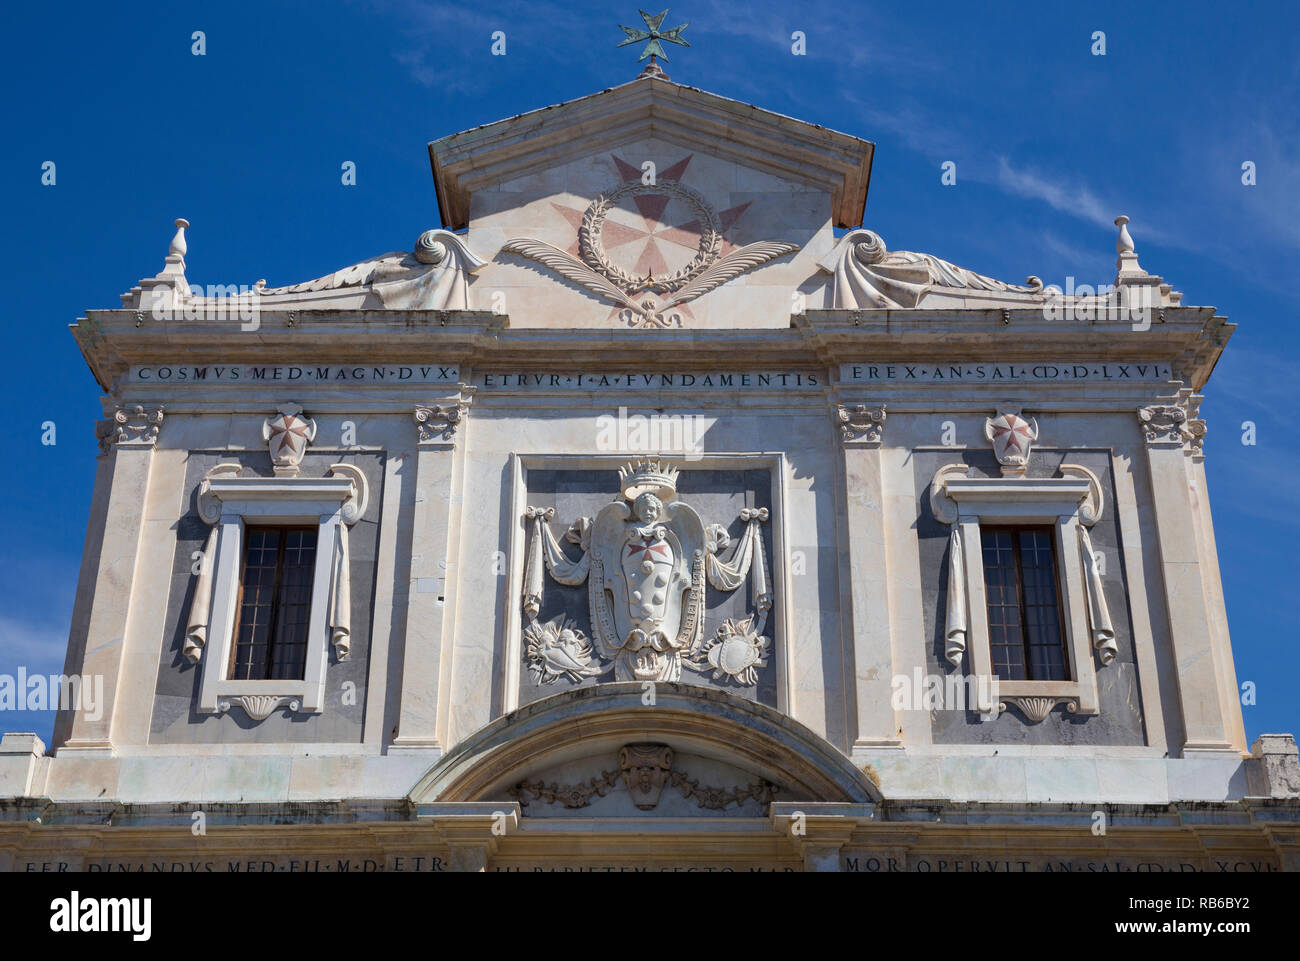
576, 315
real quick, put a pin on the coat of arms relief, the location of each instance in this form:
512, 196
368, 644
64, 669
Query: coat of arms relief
647, 559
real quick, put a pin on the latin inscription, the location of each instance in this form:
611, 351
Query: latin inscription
745, 380
859, 863
963, 373
255, 374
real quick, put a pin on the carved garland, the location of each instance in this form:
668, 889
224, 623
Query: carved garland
644, 769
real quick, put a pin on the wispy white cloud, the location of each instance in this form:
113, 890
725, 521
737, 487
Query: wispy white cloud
1073, 198
36, 645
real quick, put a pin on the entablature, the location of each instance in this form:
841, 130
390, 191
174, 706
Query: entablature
1189, 340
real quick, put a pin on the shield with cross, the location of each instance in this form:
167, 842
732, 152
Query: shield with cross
647, 578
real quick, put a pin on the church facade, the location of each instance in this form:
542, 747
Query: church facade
651, 515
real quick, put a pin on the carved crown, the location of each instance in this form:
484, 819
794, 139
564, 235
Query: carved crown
648, 477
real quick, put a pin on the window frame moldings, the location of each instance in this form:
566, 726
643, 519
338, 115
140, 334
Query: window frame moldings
1069, 504
230, 503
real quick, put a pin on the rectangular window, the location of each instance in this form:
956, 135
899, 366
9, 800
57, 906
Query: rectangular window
1026, 634
274, 604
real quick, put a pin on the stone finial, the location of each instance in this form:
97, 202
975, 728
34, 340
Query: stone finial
168, 289
1124, 242
1127, 260
178, 247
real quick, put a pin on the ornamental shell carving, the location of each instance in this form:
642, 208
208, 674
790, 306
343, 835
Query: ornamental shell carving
1036, 709
259, 706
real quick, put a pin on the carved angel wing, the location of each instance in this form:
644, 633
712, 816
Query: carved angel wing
686, 523
568, 267
732, 265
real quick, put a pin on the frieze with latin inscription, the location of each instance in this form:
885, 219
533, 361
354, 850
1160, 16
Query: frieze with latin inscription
255, 374
967, 864
990, 373
852, 861
553, 380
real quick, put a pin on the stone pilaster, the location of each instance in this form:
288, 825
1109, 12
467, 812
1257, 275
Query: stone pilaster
1173, 436
873, 723
430, 604
101, 614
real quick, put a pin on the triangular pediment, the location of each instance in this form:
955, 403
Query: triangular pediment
652, 108
627, 208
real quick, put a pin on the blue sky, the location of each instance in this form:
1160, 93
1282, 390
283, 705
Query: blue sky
1050, 141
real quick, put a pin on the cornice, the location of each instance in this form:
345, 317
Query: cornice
1190, 339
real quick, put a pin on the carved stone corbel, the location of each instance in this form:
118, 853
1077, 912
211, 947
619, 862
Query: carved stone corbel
943, 507
1091, 507
355, 506
206, 504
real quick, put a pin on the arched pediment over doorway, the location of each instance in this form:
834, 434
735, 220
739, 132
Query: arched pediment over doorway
604, 751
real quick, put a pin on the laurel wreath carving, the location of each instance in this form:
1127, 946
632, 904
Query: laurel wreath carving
593, 250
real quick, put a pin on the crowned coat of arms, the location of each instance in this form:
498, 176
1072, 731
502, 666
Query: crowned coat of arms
646, 559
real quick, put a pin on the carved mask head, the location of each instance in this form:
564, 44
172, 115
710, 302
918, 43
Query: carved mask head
645, 770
